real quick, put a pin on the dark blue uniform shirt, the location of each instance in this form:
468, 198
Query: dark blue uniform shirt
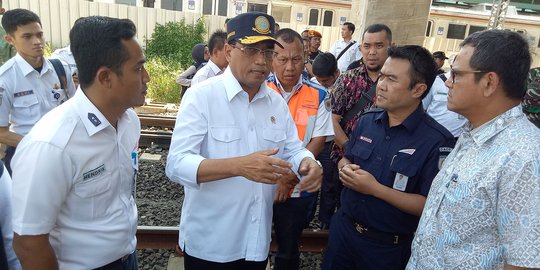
409, 153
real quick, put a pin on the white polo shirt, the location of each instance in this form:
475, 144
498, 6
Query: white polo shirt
351, 54
27, 95
228, 219
207, 71
73, 177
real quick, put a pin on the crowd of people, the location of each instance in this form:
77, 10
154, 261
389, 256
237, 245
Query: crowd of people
410, 166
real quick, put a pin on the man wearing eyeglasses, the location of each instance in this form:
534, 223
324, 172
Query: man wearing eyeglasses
312, 117
393, 155
482, 209
234, 138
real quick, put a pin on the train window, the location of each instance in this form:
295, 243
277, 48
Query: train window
281, 13
474, 28
456, 31
328, 18
222, 8
126, 2
207, 7
313, 17
257, 7
428, 28
171, 4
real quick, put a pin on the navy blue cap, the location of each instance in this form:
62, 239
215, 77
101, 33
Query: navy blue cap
251, 28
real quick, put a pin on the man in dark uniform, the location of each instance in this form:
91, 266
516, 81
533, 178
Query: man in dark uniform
393, 155
440, 58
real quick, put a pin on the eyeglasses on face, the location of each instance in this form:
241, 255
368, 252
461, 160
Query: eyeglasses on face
252, 51
454, 72
283, 60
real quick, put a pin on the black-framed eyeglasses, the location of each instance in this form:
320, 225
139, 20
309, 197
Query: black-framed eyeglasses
454, 72
252, 51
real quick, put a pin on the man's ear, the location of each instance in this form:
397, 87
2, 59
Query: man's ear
104, 77
419, 89
9, 39
228, 50
491, 83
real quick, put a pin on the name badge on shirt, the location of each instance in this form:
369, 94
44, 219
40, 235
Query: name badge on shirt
400, 182
135, 164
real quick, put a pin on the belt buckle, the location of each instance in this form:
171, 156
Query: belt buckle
360, 228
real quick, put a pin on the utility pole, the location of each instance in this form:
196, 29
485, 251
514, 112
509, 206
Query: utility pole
498, 14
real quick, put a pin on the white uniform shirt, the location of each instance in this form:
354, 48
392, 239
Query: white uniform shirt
207, 71
352, 54
5, 220
73, 178
228, 219
65, 55
27, 95
436, 105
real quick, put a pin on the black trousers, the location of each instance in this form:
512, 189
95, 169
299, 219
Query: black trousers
193, 263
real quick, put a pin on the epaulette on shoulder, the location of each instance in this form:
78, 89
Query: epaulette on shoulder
437, 126
6, 66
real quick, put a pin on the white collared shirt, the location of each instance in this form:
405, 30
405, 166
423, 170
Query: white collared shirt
228, 219
27, 95
5, 220
436, 105
352, 54
207, 71
66, 55
73, 178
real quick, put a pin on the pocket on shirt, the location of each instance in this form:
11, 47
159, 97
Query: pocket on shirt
361, 151
227, 140
406, 165
94, 200
25, 110
274, 138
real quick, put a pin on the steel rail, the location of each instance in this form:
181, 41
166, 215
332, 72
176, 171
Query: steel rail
157, 237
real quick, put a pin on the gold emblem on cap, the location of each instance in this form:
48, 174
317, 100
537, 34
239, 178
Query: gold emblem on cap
262, 25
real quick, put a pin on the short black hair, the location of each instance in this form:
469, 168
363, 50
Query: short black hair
379, 27
351, 26
18, 17
324, 65
288, 35
423, 68
217, 41
505, 53
96, 41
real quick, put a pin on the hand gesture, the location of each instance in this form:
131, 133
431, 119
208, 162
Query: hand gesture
261, 167
358, 180
285, 185
312, 175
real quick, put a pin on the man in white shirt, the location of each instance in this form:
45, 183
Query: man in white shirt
74, 173
217, 63
235, 139
346, 50
65, 55
29, 84
10, 260
436, 105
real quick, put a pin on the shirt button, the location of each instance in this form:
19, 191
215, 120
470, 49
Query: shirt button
253, 219
387, 138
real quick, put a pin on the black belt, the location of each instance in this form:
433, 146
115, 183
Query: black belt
116, 263
384, 237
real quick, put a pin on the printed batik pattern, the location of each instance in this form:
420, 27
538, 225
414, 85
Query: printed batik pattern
345, 93
482, 209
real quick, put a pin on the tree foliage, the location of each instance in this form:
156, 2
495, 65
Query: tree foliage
174, 40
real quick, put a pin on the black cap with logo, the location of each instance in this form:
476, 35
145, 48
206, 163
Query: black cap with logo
251, 28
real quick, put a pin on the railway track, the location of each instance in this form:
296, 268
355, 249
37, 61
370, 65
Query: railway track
157, 237
152, 137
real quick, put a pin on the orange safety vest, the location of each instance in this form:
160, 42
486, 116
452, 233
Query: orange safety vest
303, 106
